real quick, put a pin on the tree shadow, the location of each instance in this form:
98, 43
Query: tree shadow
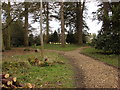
78, 73
107, 53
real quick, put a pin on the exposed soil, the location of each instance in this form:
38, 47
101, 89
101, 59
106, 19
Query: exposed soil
89, 73
16, 51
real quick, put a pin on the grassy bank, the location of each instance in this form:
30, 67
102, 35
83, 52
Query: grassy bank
111, 59
57, 75
68, 47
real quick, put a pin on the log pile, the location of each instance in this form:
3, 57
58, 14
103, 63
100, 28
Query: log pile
43, 63
38, 62
11, 82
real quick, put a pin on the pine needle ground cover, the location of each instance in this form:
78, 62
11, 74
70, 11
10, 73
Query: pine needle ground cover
108, 58
56, 75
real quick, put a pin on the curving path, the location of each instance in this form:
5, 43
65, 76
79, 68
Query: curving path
90, 73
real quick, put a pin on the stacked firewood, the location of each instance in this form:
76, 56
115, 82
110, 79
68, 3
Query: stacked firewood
11, 82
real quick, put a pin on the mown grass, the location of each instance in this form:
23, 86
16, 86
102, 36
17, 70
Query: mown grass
68, 47
57, 75
111, 59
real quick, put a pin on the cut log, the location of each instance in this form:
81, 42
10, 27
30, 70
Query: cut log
13, 86
6, 82
41, 64
36, 61
60, 62
28, 85
17, 84
33, 85
4, 86
29, 59
46, 59
12, 79
4, 76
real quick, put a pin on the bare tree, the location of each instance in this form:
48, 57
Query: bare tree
8, 29
1, 36
46, 10
26, 25
41, 34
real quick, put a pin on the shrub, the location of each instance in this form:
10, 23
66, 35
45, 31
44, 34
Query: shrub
70, 38
109, 42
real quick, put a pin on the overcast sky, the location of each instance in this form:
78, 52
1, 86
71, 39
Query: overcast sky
93, 25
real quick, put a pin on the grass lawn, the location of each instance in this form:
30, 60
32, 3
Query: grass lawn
57, 75
111, 59
68, 47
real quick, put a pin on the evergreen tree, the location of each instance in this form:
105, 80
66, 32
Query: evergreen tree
17, 32
71, 38
54, 37
31, 40
109, 41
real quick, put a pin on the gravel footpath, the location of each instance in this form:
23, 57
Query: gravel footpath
95, 74
90, 73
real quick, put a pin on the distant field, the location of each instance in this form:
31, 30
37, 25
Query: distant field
57, 75
68, 47
111, 59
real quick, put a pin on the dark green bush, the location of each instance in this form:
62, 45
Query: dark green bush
71, 38
109, 39
109, 42
54, 37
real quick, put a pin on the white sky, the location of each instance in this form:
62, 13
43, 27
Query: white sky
93, 25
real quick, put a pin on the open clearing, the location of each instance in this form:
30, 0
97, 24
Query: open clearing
88, 73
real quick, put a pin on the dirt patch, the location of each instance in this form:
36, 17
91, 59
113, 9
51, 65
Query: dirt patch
78, 73
16, 51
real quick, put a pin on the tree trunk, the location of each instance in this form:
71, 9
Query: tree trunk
62, 26
80, 40
41, 34
105, 20
8, 29
26, 25
77, 21
1, 33
80, 32
47, 22
4, 75
6, 82
3, 47
80, 23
